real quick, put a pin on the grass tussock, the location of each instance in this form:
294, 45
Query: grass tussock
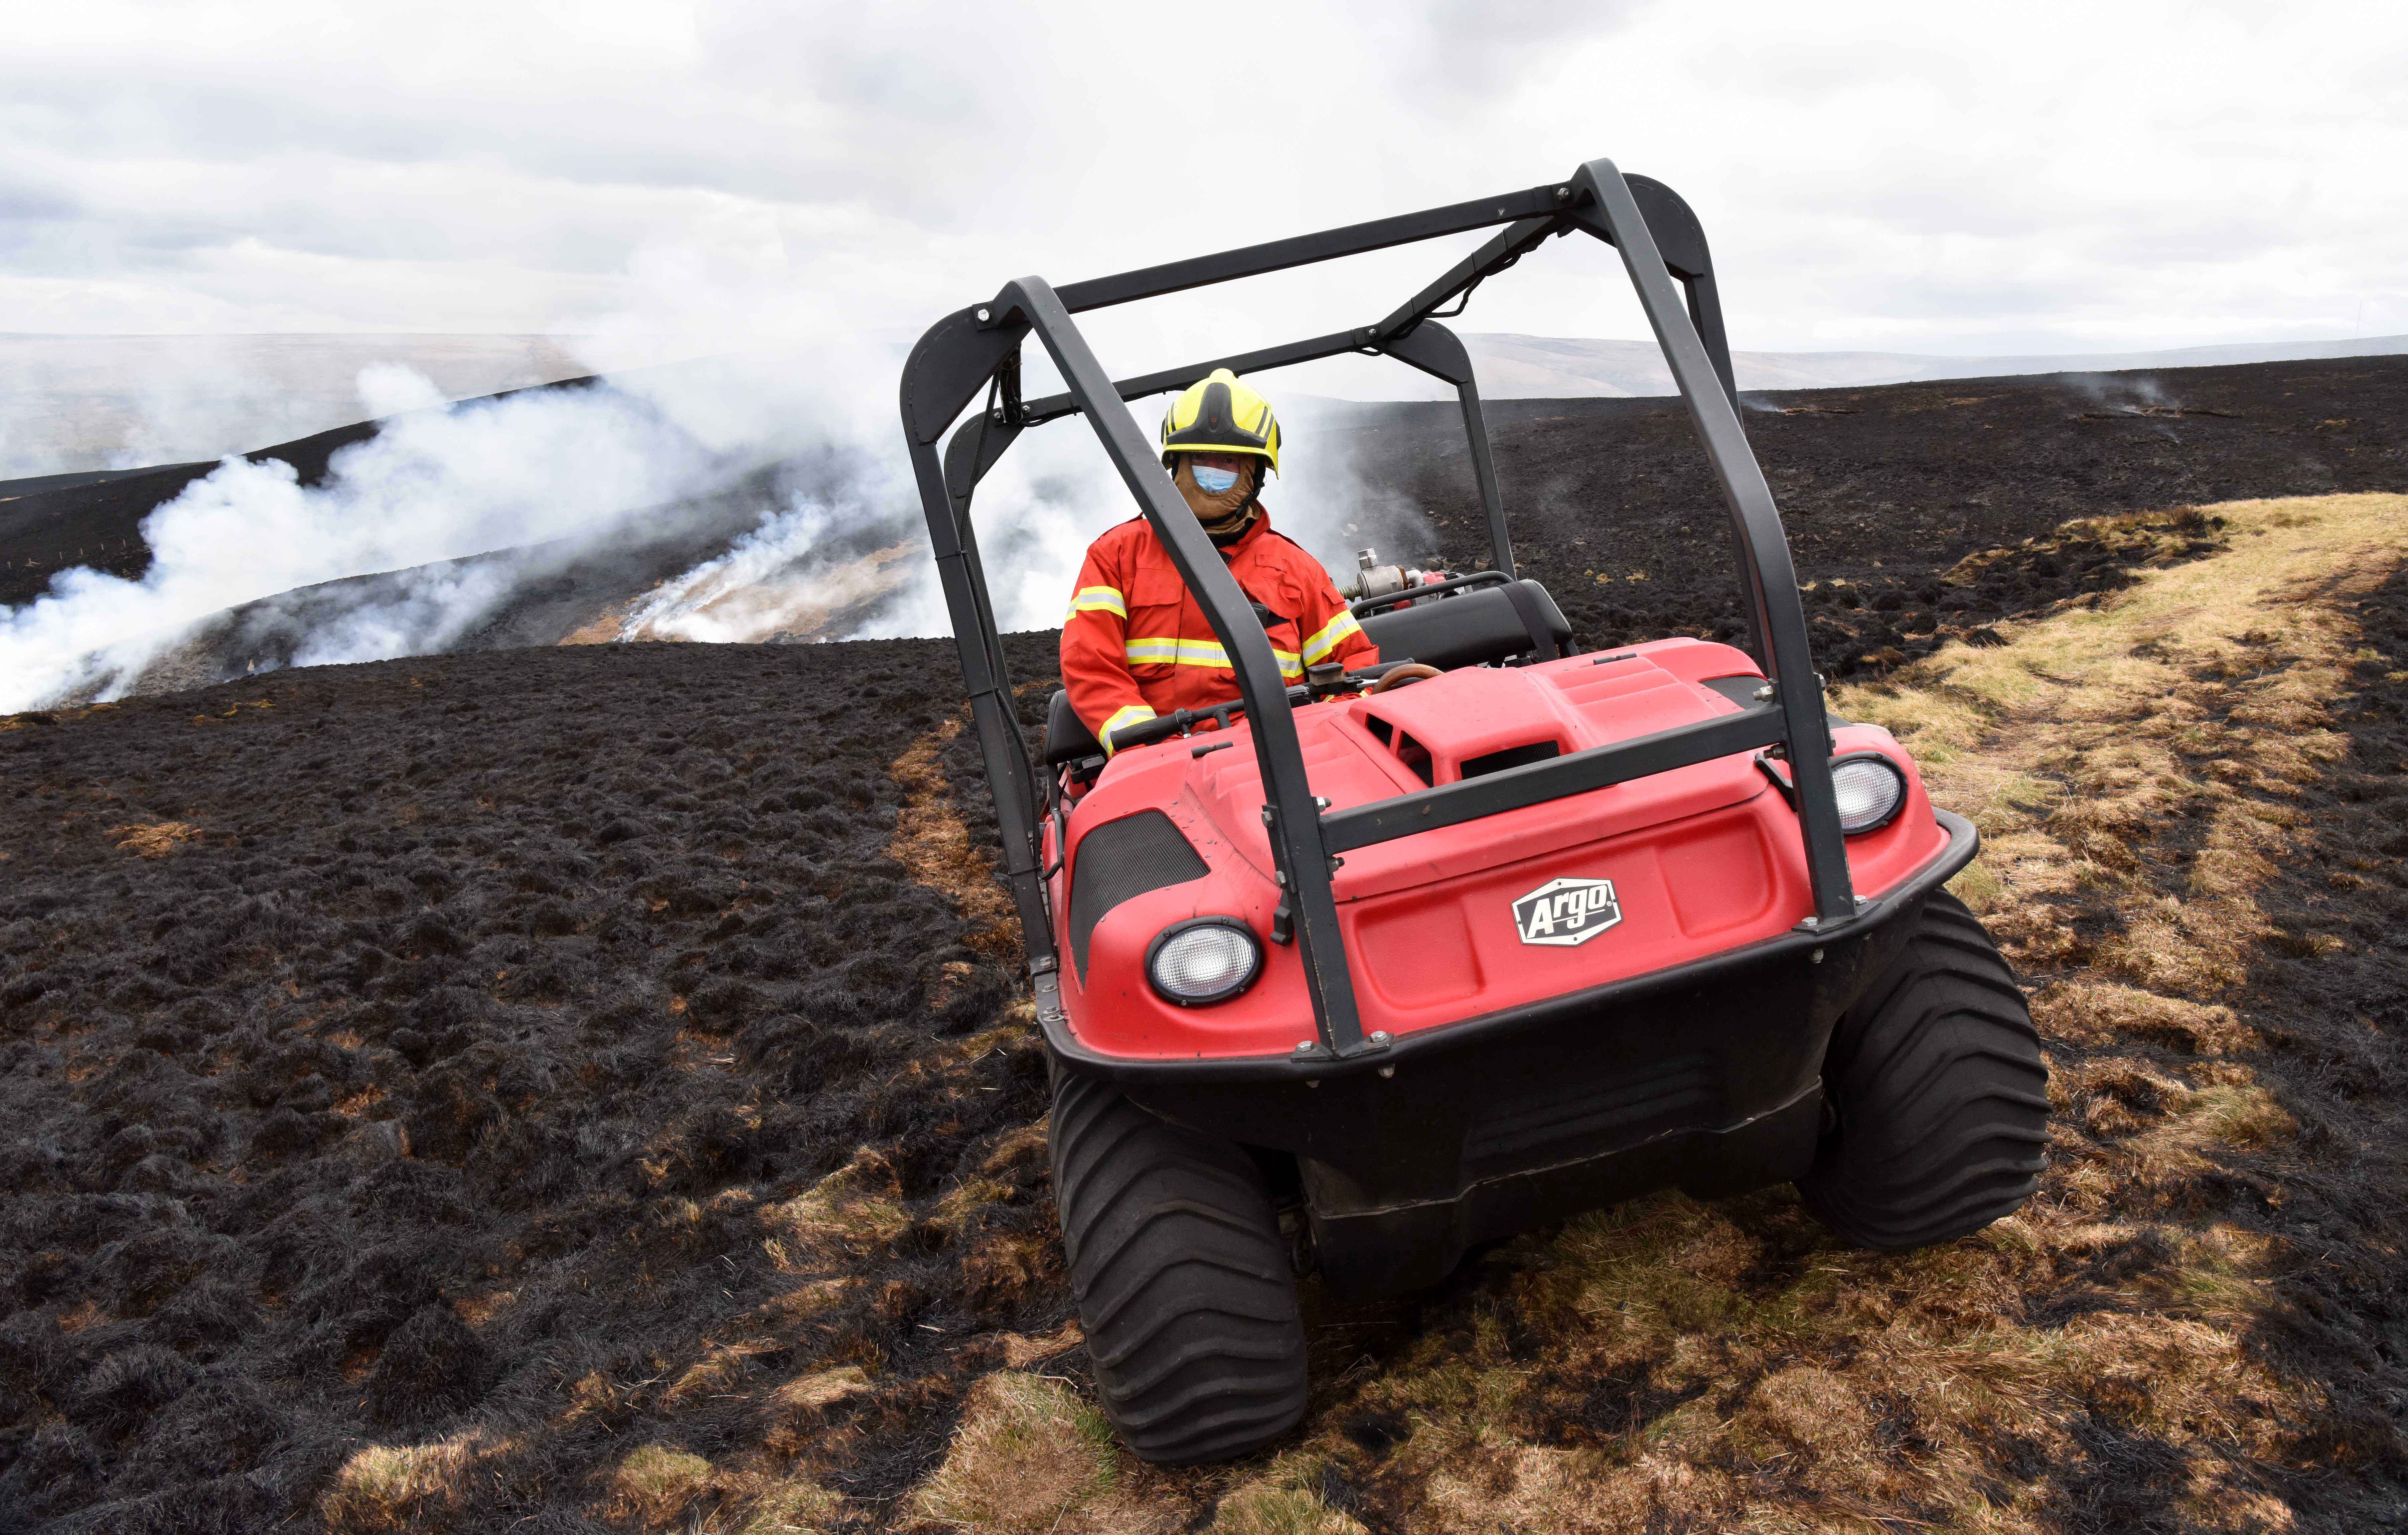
656, 1485
407, 1486
1031, 1456
659, 1486
1286, 1499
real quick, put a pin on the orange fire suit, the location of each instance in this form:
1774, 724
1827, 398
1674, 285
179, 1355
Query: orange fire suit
1136, 642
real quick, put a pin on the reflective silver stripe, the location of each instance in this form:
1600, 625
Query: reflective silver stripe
1098, 599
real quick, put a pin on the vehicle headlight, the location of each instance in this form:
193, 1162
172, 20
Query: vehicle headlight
1204, 959
1870, 789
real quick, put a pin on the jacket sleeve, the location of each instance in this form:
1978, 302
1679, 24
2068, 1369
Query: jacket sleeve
1094, 655
1330, 632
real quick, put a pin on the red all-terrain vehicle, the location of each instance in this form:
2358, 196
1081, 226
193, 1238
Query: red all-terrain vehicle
1406, 960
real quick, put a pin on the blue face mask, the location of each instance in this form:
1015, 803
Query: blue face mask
1212, 481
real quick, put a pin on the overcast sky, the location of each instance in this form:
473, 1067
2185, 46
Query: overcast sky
1932, 177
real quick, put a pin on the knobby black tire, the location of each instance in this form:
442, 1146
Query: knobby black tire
1182, 1276
1939, 1093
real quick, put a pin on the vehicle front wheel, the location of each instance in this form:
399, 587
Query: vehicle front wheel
1939, 1093
1183, 1279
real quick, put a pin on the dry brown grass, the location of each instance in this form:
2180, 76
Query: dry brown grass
791, 1506
655, 1484
1032, 1457
407, 1486
815, 1393
1677, 1386
1283, 1502
850, 1209
664, 1488
155, 838
933, 843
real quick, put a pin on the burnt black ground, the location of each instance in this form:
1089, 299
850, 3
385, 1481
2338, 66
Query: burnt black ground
2331, 991
534, 974
485, 975
1882, 488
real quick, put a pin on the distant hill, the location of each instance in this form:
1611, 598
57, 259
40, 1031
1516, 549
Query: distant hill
1533, 367
75, 404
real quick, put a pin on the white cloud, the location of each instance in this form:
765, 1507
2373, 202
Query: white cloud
703, 176
1897, 175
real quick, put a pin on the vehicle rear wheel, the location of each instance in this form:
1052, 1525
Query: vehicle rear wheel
1182, 1276
1939, 1093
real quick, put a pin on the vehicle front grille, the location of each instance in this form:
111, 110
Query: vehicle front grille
1596, 1115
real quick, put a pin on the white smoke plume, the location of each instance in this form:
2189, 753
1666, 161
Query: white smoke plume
802, 574
799, 446
436, 483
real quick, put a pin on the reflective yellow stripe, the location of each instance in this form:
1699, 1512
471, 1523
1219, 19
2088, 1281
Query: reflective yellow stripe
1198, 653
1131, 715
1096, 599
1332, 635
1177, 653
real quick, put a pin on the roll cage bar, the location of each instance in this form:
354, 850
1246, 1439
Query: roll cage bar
978, 349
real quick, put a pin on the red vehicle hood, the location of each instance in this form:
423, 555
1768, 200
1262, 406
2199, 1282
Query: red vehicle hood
1351, 753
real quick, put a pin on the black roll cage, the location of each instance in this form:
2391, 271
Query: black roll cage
978, 349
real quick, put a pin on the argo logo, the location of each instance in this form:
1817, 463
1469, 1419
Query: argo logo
1567, 913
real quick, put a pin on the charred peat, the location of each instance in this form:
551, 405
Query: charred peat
515, 1059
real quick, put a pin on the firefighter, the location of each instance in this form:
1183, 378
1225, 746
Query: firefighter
1136, 642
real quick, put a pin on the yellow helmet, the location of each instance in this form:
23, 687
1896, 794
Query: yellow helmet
1221, 415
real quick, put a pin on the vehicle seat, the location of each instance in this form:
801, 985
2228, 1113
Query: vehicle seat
1483, 624
1067, 739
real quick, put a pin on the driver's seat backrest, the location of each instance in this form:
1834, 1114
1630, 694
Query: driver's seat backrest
1483, 625
1067, 739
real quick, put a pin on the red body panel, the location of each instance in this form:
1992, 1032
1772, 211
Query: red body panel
1703, 860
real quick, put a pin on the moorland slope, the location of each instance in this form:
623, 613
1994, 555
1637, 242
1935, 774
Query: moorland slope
589, 1086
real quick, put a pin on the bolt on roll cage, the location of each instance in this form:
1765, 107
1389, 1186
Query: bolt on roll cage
978, 349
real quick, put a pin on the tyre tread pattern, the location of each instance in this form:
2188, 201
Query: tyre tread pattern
1942, 1093
1182, 1276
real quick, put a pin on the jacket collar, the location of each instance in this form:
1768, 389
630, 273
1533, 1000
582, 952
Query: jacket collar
1253, 535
